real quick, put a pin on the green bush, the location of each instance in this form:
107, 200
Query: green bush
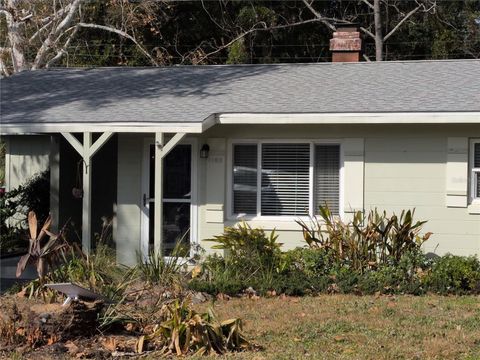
381, 256
368, 241
250, 258
454, 275
216, 277
248, 250
230, 287
34, 195
311, 261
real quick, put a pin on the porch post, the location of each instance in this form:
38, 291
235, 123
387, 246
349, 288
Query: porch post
86, 151
87, 195
54, 160
161, 150
158, 196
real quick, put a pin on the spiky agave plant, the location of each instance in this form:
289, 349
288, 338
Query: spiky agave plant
46, 250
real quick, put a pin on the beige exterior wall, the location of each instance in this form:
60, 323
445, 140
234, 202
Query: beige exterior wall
26, 156
401, 167
390, 167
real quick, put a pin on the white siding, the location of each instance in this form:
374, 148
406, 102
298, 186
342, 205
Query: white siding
27, 155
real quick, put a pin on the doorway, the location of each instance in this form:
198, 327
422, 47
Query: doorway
179, 200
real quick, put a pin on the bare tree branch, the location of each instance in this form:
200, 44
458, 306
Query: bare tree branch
319, 16
405, 18
7, 14
54, 33
48, 21
264, 28
369, 33
121, 33
4, 51
15, 38
63, 51
368, 3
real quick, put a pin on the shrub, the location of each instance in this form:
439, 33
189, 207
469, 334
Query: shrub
97, 271
251, 259
454, 275
248, 250
216, 277
311, 261
230, 286
34, 195
158, 270
295, 284
367, 241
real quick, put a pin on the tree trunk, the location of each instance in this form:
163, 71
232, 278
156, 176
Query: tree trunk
16, 40
378, 31
15, 37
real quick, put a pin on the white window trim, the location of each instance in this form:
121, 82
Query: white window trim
231, 216
474, 200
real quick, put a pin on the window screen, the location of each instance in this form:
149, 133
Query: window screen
285, 179
476, 165
327, 177
245, 179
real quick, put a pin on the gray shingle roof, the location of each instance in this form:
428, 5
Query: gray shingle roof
192, 93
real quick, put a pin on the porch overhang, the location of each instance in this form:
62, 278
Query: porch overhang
81, 127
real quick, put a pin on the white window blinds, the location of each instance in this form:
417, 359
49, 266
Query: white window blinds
285, 179
476, 169
289, 179
327, 177
245, 179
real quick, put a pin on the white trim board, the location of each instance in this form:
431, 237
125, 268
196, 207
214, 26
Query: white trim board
140, 127
353, 118
249, 118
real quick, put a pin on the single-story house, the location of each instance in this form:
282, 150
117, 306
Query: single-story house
185, 151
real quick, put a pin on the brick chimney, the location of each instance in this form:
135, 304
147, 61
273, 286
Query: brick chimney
346, 44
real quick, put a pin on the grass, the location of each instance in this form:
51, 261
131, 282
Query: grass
353, 327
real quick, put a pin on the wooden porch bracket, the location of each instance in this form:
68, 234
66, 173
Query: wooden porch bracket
161, 150
87, 150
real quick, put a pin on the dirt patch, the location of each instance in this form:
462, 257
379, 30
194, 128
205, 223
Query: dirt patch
34, 324
35, 329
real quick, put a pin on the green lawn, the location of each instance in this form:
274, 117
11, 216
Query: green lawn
354, 327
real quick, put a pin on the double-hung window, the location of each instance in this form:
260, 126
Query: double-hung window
285, 179
475, 170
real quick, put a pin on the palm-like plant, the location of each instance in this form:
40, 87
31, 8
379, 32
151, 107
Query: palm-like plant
46, 250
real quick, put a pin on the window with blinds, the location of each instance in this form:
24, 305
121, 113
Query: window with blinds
285, 179
327, 177
476, 169
293, 177
245, 179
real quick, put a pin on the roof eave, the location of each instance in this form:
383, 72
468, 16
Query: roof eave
470, 117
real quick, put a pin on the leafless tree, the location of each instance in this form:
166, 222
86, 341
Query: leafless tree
376, 29
47, 28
